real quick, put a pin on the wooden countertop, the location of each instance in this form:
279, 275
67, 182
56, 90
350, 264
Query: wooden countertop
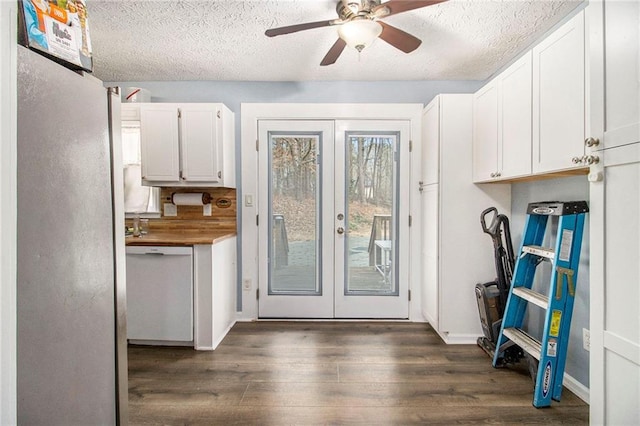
179, 238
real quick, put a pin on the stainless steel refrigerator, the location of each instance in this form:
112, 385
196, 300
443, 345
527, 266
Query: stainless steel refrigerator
71, 359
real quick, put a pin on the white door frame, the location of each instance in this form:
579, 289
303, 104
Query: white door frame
247, 196
8, 211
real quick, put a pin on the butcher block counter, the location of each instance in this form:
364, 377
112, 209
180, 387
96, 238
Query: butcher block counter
176, 237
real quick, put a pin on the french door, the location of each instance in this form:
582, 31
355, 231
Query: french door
333, 221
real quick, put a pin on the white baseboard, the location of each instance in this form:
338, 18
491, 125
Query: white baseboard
222, 336
460, 339
576, 387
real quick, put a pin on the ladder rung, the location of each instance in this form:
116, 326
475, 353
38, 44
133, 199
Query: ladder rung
532, 296
545, 252
526, 342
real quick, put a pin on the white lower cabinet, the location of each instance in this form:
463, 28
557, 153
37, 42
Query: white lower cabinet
181, 295
215, 292
455, 254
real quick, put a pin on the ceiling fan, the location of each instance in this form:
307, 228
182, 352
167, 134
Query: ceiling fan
360, 24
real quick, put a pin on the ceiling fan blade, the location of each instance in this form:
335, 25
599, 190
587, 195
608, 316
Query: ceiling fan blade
398, 38
300, 27
393, 7
332, 55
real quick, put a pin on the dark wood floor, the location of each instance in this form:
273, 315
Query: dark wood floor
299, 373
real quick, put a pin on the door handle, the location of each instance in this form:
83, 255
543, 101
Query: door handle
340, 230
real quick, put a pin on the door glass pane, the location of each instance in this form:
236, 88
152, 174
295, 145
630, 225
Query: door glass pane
294, 205
370, 212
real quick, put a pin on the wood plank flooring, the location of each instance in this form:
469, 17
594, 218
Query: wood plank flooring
309, 373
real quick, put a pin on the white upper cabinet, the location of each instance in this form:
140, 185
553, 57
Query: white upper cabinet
485, 133
515, 104
159, 148
187, 145
559, 99
502, 125
200, 149
431, 141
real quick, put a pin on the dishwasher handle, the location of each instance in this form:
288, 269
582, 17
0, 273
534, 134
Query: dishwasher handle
159, 250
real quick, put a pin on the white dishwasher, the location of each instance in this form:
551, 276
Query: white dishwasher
160, 295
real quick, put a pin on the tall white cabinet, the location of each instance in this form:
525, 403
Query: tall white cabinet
456, 254
614, 30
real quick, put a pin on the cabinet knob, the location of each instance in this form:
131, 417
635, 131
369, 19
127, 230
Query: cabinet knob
492, 175
577, 160
590, 142
340, 230
592, 159
498, 174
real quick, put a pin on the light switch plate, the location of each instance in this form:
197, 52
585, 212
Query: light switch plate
248, 200
206, 210
170, 209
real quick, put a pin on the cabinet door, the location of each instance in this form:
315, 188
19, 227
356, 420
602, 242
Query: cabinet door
200, 147
485, 133
430, 244
159, 142
515, 89
431, 142
623, 85
559, 98
615, 312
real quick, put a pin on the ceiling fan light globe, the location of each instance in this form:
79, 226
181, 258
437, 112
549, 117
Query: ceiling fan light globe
359, 33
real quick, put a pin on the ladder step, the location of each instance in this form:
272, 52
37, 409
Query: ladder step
525, 341
532, 296
545, 252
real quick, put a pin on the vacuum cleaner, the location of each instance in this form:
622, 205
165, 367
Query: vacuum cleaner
492, 296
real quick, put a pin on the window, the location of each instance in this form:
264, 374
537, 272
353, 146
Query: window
138, 199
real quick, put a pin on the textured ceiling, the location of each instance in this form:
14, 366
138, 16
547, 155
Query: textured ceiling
224, 40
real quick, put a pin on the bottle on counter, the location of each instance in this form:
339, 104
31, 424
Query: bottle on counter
136, 226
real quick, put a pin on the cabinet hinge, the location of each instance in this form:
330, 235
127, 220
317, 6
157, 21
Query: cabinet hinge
257, 145
409, 295
410, 146
218, 114
410, 220
257, 219
179, 113
219, 175
257, 293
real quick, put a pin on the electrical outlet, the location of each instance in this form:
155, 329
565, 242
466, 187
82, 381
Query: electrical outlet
586, 339
246, 285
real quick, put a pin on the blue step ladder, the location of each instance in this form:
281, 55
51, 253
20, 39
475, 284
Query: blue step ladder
551, 352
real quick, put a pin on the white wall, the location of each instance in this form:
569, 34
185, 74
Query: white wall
8, 36
234, 93
560, 189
